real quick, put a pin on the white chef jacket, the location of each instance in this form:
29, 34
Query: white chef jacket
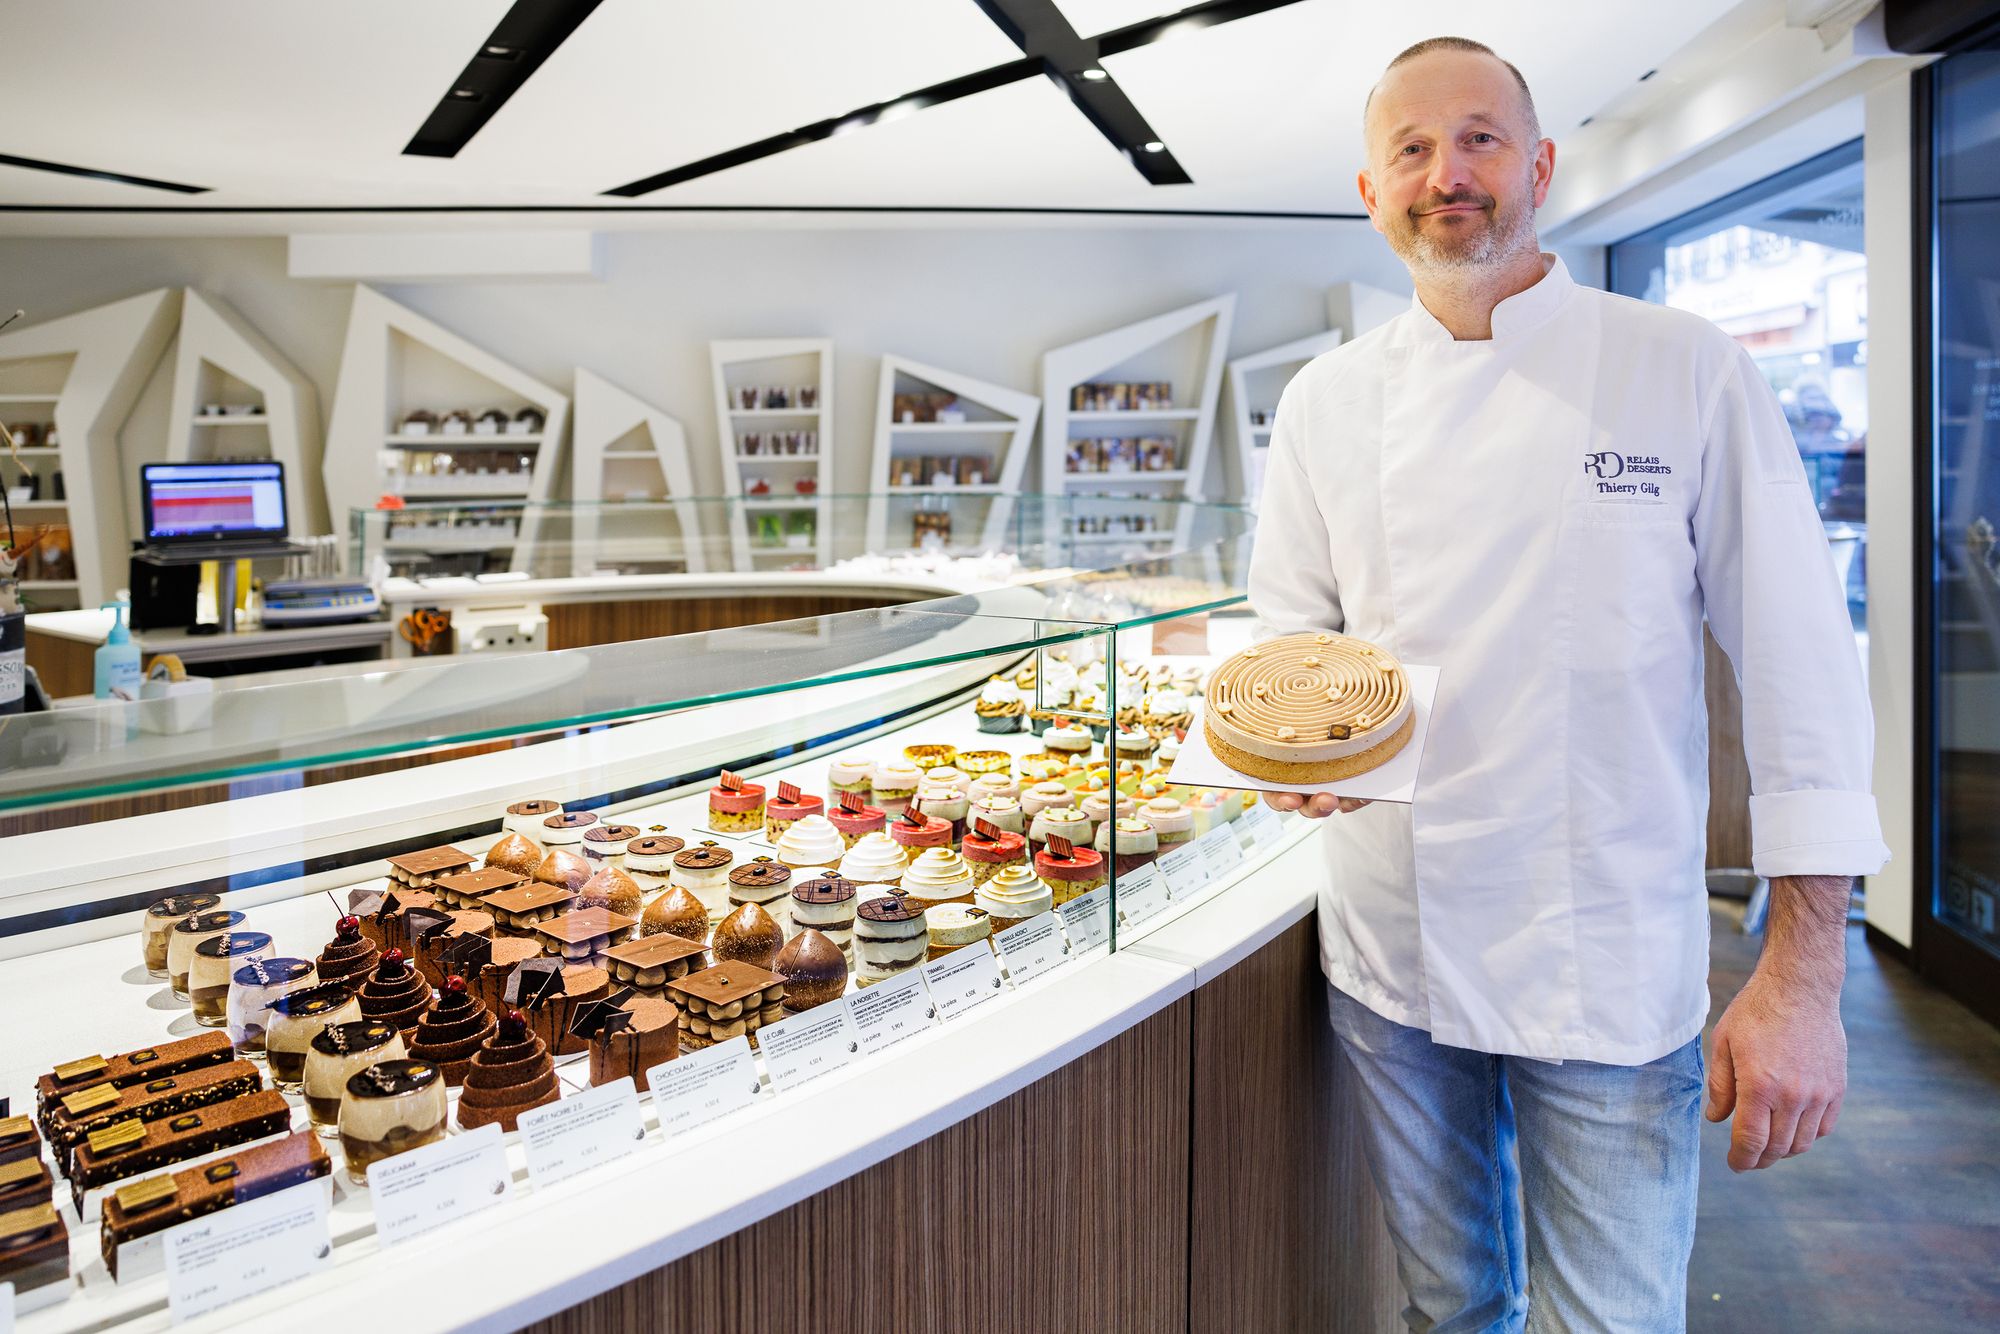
1547, 516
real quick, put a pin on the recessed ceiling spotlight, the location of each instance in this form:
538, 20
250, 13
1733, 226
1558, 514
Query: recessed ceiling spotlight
1096, 75
464, 95
1155, 146
500, 52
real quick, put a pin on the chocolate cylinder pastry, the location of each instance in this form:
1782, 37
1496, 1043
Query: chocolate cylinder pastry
390, 1108
490, 982
565, 830
764, 882
549, 993
630, 1037
159, 923
350, 956
158, 1203
18, 1139
650, 860
510, 1073
605, 844
34, 1248
464, 889
252, 988
650, 962
75, 1117
525, 817
890, 937
435, 946
24, 1183
516, 853
338, 1052
395, 993
726, 1001
296, 1019
452, 1031
135, 1148
814, 969
215, 962
134, 1067
750, 935
675, 913
416, 870
826, 905
188, 933
703, 871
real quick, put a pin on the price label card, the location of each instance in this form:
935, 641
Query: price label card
967, 977
1033, 947
242, 1251
439, 1183
1185, 869
571, 1135
803, 1047
1221, 851
705, 1084
890, 1011
1087, 919
1142, 895
1263, 825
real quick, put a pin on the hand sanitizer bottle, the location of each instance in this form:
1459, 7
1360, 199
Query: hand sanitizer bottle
118, 660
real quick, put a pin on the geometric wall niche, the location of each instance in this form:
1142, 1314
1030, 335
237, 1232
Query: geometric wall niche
958, 444
633, 485
1255, 383
774, 437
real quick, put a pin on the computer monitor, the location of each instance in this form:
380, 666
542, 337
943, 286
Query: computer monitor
214, 502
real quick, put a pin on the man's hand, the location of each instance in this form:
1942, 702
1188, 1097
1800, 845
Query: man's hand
1316, 807
1779, 1059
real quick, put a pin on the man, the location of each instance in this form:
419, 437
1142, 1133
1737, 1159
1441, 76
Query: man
1544, 489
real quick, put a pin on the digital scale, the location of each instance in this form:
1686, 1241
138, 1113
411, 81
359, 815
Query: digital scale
319, 602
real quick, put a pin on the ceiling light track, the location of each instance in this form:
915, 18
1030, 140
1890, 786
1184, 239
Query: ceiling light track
66, 169
526, 36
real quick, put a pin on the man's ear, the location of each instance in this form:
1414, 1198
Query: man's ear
1545, 169
1365, 183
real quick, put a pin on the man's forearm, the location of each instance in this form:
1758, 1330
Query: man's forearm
1805, 940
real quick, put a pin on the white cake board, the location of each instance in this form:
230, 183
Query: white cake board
1196, 765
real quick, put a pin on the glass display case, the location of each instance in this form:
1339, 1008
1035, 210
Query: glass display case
312, 935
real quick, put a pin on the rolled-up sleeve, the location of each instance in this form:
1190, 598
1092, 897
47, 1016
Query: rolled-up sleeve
1292, 582
1775, 605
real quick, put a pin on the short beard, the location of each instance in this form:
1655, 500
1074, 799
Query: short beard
1504, 235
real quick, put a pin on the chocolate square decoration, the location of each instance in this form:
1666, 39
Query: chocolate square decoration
986, 829
533, 983
730, 782
430, 861
914, 818
788, 792
655, 951
1060, 847
425, 922
486, 880
605, 1015
468, 954
725, 982
365, 902
586, 924
853, 802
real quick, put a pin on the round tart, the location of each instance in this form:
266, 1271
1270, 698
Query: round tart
1308, 708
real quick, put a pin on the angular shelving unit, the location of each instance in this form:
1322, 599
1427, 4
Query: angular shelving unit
994, 429
81, 374
1255, 382
223, 360
788, 364
396, 361
623, 449
1182, 348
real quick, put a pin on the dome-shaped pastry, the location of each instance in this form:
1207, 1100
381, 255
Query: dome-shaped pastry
748, 935
814, 969
564, 869
675, 913
612, 888
517, 853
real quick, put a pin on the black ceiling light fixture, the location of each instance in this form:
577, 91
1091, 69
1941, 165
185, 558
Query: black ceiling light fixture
65, 169
526, 35
1050, 47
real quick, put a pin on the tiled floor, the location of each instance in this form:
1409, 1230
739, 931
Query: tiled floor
1893, 1223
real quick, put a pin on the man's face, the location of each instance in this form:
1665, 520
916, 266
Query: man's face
1455, 171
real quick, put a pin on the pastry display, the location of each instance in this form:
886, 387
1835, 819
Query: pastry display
944, 802
525, 817
516, 853
1066, 740
395, 992
584, 933
349, 956
453, 1029
1132, 744
338, 1052
25, 1183
465, 889
851, 773
764, 882
989, 848
186, 935
876, 860
133, 1067
1070, 871
734, 806
650, 962
650, 860
487, 979
79, 1115
703, 871
988, 786
158, 1203
826, 905
612, 888
893, 785
788, 808
1012, 896
416, 870
522, 911
953, 926
1170, 748
853, 819
814, 969
732, 999
889, 938
438, 946
215, 961
296, 1018
927, 757
136, 1148
913, 831
1002, 813
1129, 843
34, 1248
391, 1107
939, 875
1308, 708
561, 868
1060, 822
385, 918
1001, 707
548, 993
946, 775
566, 830
1166, 710
809, 842
1043, 796
748, 935
676, 913
1101, 808
510, 1073
630, 1036
19, 1140
1172, 823
160, 920
605, 844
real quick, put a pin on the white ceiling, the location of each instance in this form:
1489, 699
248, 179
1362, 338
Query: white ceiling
299, 105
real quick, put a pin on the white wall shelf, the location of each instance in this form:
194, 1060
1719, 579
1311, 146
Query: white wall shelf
86, 371
992, 410
790, 364
222, 359
610, 465
1255, 383
396, 361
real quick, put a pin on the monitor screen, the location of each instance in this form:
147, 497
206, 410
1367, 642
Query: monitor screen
214, 502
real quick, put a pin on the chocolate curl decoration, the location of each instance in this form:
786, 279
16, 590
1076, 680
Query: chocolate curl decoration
731, 782
986, 829
788, 792
914, 818
1061, 848
853, 803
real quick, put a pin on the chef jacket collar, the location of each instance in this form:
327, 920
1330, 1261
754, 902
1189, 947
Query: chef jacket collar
1517, 314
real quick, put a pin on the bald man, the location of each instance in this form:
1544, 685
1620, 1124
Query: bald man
1546, 490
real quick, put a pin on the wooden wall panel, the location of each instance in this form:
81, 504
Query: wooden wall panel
1285, 1232
1728, 772
576, 624
1063, 1207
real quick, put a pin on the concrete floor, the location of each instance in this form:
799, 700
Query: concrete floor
1893, 1222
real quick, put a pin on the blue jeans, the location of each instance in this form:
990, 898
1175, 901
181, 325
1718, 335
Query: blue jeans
1524, 1195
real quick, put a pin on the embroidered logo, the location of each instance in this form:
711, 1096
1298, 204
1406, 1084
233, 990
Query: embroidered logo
1608, 468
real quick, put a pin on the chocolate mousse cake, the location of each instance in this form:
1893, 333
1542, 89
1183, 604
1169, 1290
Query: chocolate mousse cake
452, 1031
889, 938
19, 1140
437, 945
26, 1182
34, 1248
395, 993
135, 1148
726, 1001
509, 1074
416, 870
390, 1108
611, 888
133, 1067
650, 962
464, 889
78, 1115
350, 956
549, 993
489, 983
814, 969
161, 1202
750, 935
675, 913
516, 853
563, 869
629, 1037
385, 917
